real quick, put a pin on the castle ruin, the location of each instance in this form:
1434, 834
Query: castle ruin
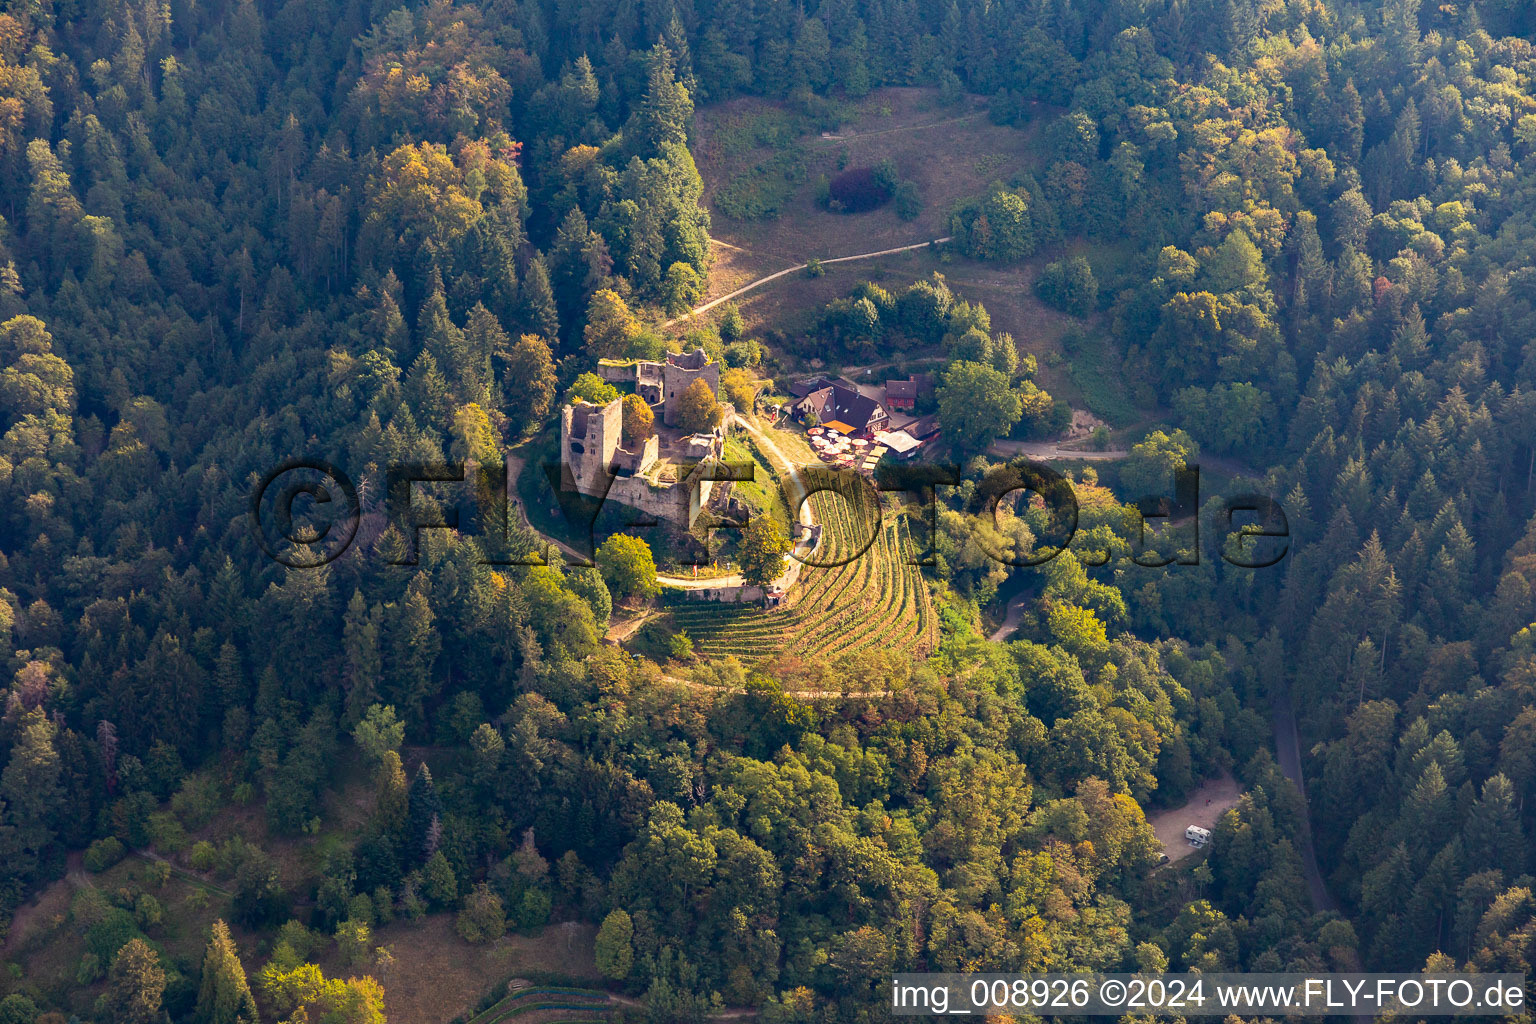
674, 485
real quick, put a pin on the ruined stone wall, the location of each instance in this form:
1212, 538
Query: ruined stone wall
674, 504
677, 378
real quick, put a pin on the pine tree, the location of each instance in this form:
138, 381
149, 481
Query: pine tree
136, 985
414, 646
1349, 123
30, 785
442, 337
225, 996
484, 339
424, 808
428, 392
540, 313
661, 119
392, 807
579, 263
1493, 836
364, 664
529, 382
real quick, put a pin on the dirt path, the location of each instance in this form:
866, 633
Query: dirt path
183, 874
1012, 619
893, 131
1048, 450
706, 307
622, 630
1205, 806
1288, 751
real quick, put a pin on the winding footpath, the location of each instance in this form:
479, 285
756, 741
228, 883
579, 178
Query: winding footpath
1014, 617
711, 304
1045, 451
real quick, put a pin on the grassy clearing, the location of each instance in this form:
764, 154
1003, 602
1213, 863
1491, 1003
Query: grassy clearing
762, 493
437, 975
1096, 372
952, 153
761, 162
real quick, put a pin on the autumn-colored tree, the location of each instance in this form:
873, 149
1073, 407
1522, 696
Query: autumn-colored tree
639, 421
136, 985
739, 387
528, 381
697, 410
610, 325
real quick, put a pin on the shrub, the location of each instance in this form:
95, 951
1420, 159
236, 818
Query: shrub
383, 905
1069, 285
483, 918
203, 856
743, 353
103, 854
110, 934
89, 907
360, 908
197, 801
909, 204
18, 1009
731, 324
646, 345
299, 939
166, 833
353, 939
615, 949
682, 288
680, 647
1000, 227
858, 190
533, 911
589, 387
411, 903
148, 911
90, 970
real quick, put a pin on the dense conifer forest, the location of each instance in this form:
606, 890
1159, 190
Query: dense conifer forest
234, 232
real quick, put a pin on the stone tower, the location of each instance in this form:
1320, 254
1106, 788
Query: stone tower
679, 371
589, 438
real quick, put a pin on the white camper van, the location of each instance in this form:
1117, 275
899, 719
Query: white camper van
1197, 836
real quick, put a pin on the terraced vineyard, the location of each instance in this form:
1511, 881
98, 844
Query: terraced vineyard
875, 599
548, 1005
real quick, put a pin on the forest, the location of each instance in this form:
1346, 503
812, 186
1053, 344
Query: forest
241, 231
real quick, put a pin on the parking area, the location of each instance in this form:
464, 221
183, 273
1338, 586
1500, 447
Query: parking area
1204, 807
